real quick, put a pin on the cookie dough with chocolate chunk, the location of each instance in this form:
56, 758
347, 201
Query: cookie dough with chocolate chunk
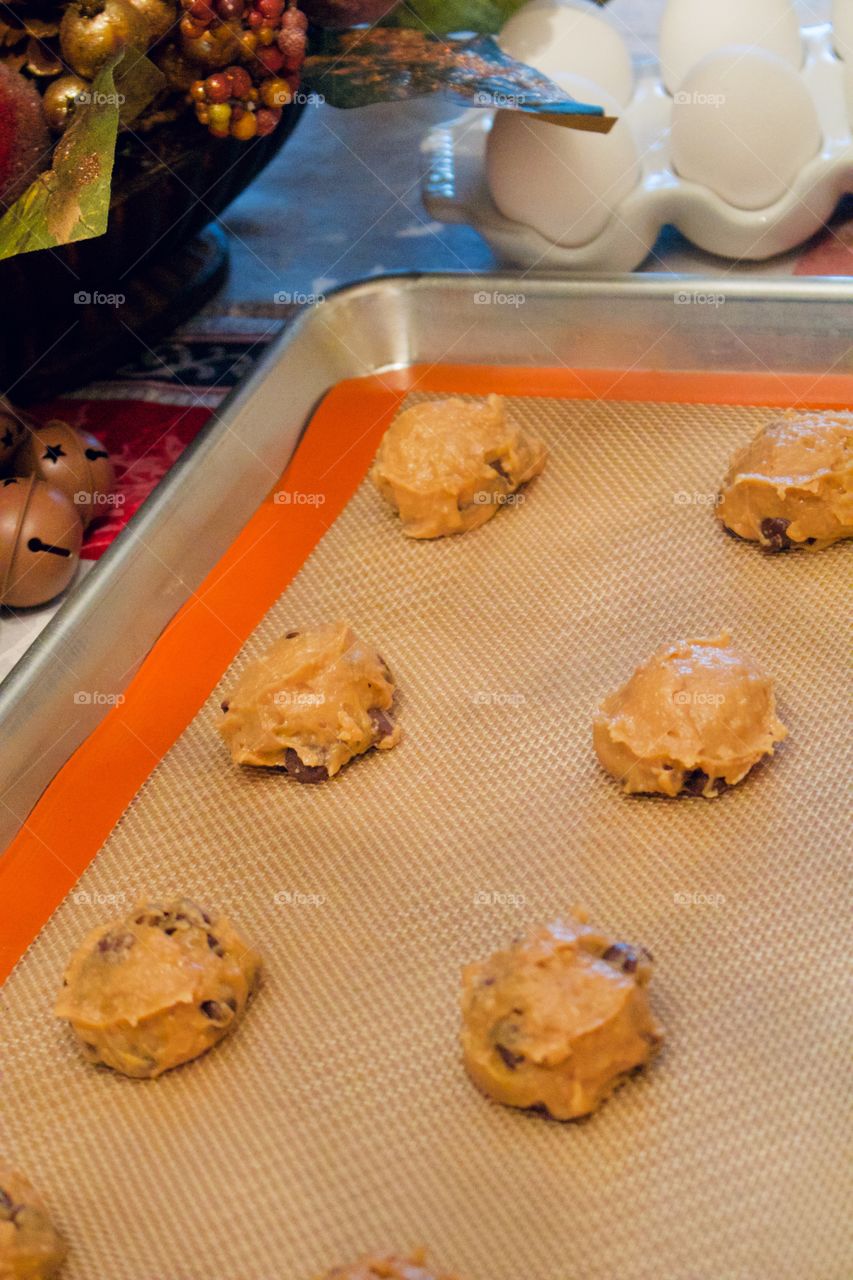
694, 718
447, 466
388, 1266
314, 701
559, 1019
157, 988
30, 1246
792, 486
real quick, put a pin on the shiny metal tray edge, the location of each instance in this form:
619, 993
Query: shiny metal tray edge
67, 681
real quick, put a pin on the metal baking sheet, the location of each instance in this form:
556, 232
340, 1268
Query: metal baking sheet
338, 1118
99, 637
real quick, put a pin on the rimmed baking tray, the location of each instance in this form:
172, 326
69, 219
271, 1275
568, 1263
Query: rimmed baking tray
338, 1118
99, 637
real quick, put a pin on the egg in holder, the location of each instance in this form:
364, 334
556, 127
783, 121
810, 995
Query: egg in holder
740, 137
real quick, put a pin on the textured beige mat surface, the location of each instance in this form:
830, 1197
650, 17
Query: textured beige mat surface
338, 1117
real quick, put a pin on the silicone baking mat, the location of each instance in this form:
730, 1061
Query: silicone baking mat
338, 1117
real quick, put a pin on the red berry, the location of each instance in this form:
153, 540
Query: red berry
270, 59
218, 87
229, 10
271, 9
267, 121
201, 11
241, 82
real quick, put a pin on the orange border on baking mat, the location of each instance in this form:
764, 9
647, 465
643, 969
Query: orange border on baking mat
90, 793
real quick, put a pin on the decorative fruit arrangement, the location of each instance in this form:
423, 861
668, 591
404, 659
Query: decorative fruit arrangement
75, 74
236, 61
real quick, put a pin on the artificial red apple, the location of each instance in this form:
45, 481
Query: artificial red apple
25, 145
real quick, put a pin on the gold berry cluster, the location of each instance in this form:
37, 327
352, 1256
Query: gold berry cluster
255, 51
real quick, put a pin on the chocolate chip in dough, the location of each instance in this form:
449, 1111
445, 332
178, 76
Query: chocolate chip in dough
382, 723
696, 782
113, 943
621, 956
510, 1059
215, 1011
301, 772
774, 534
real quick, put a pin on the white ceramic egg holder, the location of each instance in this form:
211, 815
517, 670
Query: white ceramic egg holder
455, 189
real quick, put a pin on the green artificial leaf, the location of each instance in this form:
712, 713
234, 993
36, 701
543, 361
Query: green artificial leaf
137, 82
357, 68
71, 200
440, 17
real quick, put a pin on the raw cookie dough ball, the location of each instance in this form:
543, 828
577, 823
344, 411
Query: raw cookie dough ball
387, 1267
158, 988
448, 465
556, 1022
793, 485
314, 701
30, 1246
695, 717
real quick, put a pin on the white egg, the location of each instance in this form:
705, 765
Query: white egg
562, 182
559, 40
842, 28
744, 124
691, 29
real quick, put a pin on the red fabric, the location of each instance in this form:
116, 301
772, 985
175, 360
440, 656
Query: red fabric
144, 440
147, 413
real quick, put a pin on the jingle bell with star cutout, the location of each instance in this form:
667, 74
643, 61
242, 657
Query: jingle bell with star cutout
71, 460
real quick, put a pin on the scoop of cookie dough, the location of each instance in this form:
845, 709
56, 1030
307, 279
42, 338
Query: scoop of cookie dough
448, 465
556, 1022
384, 1266
793, 484
314, 701
695, 717
157, 988
30, 1246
